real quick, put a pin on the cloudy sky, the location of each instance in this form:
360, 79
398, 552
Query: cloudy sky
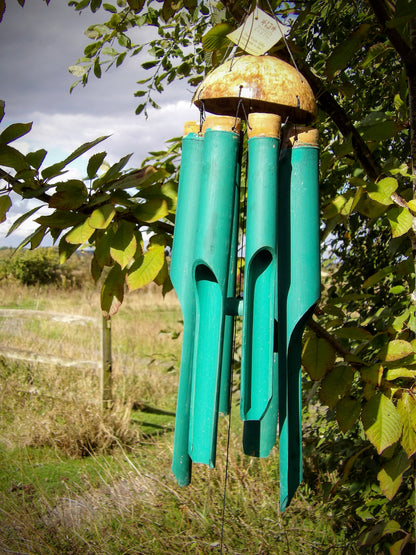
38, 43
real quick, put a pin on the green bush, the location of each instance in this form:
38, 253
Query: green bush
41, 267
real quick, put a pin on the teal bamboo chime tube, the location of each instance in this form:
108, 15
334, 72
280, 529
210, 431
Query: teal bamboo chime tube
298, 290
189, 193
259, 372
210, 280
281, 275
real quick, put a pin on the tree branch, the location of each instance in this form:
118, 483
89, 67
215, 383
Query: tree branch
335, 344
406, 53
335, 111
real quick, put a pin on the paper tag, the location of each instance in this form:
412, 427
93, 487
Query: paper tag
258, 34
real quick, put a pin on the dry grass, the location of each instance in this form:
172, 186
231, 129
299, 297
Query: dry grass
76, 481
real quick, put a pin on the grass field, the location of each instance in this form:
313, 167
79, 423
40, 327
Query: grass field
76, 480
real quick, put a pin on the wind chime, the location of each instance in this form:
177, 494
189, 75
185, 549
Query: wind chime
281, 274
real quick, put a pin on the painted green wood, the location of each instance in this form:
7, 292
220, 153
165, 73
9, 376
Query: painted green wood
298, 291
189, 192
257, 364
211, 274
228, 336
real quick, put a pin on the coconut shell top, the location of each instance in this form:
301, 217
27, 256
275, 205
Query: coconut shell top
265, 83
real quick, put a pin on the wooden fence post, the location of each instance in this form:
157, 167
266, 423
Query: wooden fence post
107, 365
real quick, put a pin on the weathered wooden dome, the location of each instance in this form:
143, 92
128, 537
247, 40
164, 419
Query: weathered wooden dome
265, 83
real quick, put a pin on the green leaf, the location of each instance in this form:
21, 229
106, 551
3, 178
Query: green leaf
396, 349
400, 220
382, 190
102, 247
96, 269
69, 195
146, 268
406, 407
347, 413
61, 219
370, 208
216, 38
378, 126
95, 4
36, 238
5, 204
136, 5
412, 205
359, 334
397, 548
18, 222
148, 177
398, 373
169, 8
102, 216
381, 421
391, 475
372, 374
14, 131
336, 384
110, 8
97, 68
109, 51
114, 171
404, 12
112, 291
149, 65
12, 158
378, 276
80, 234
120, 58
55, 169
163, 275
28, 239
94, 163
65, 249
78, 70
151, 211
335, 207
318, 357
2, 103
373, 534
36, 158
342, 54
135, 179
123, 244
375, 51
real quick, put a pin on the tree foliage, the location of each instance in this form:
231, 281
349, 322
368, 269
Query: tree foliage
360, 348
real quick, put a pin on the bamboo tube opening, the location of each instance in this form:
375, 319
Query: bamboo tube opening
222, 123
191, 127
301, 136
264, 125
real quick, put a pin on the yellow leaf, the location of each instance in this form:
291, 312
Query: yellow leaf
397, 349
406, 407
80, 234
146, 268
391, 475
102, 216
382, 422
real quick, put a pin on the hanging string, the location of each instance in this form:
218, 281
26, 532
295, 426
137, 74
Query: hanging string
242, 23
240, 104
285, 41
202, 115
